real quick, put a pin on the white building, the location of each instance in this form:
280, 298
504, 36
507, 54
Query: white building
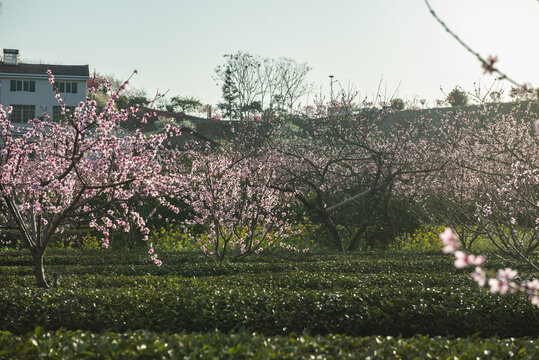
26, 87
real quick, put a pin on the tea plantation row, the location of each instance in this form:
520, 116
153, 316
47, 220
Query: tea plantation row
64, 344
67, 261
391, 294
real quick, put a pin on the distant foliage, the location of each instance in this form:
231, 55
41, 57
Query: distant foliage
397, 104
457, 97
251, 84
424, 239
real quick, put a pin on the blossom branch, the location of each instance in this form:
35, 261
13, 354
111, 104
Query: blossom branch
499, 282
486, 64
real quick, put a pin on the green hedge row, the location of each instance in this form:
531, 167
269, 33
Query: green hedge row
245, 345
370, 294
392, 309
295, 280
140, 257
228, 269
188, 265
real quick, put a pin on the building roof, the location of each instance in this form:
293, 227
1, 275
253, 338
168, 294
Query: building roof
41, 69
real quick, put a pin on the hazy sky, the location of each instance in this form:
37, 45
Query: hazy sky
177, 44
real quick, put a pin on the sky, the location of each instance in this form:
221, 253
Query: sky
176, 45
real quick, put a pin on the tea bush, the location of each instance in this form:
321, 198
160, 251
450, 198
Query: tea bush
64, 344
372, 294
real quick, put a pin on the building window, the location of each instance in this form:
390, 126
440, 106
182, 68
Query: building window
57, 113
66, 87
22, 85
23, 113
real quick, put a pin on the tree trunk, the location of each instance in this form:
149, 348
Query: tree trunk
354, 243
326, 220
130, 241
334, 233
392, 221
39, 271
363, 223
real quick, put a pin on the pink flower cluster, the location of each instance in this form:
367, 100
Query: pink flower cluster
462, 260
153, 256
293, 248
500, 282
51, 77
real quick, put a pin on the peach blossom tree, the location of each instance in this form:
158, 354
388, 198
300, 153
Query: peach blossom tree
84, 168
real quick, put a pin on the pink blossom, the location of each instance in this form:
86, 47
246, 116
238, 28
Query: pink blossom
498, 286
479, 276
37, 208
507, 273
476, 260
532, 285
488, 65
51, 76
461, 259
449, 241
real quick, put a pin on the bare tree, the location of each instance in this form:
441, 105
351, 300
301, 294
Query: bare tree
291, 83
261, 84
241, 72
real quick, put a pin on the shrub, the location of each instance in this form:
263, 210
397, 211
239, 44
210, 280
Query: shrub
244, 344
457, 98
172, 238
391, 294
397, 104
425, 238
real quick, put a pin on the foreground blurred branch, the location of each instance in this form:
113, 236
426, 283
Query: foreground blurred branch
486, 64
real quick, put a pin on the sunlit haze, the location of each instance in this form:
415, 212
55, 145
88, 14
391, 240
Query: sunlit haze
176, 45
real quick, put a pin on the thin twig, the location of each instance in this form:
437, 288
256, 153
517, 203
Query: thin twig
488, 65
